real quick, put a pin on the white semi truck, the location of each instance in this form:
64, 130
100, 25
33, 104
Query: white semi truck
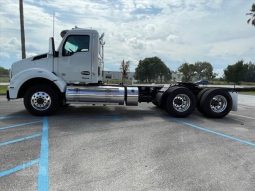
73, 74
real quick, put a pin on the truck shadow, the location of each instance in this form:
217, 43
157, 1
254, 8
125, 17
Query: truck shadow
129, 113
91, 119
72, 117
124, 113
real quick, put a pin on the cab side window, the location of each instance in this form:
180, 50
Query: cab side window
75, 43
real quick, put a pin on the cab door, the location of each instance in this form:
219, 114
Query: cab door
75, 63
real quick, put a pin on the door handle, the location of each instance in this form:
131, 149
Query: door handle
85, 73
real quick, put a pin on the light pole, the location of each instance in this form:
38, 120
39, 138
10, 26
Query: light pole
22, 30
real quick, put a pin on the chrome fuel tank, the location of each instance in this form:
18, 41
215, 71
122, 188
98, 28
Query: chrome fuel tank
96, 94
132, 96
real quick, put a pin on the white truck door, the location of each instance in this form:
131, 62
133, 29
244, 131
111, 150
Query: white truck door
75, 63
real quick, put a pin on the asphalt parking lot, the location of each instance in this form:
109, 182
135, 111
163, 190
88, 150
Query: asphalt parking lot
126, 148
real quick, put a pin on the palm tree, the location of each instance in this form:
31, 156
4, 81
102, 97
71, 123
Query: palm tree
252, 15
22, 31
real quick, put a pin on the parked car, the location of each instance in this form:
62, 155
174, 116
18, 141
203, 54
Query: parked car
202, 82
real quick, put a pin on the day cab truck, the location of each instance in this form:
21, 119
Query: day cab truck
73, 74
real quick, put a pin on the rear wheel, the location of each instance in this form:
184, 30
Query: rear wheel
199, 96
216, 103
157, 104
180, 102
41, 100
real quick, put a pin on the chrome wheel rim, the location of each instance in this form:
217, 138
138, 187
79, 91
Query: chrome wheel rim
41, 101
218, 103
181, 102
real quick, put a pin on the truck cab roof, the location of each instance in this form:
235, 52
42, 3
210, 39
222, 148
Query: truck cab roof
77, 31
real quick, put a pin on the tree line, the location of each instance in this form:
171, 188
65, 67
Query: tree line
153, 69
197, 71
240, 71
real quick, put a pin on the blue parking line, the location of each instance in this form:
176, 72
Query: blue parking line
5, 117
18, 168
20, 139
19, 125
216, 133
116, 118
43, 178
13, 116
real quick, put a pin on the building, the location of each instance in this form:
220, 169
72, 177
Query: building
116, 75
176, 76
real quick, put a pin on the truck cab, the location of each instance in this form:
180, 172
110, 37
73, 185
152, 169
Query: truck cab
78, 59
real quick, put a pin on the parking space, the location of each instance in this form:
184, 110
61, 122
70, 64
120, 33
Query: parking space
22, 140
125, 148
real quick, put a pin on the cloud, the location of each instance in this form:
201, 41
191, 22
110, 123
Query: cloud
175, 30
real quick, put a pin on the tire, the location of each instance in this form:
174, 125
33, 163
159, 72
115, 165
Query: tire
180, 102
199, 96
157, 104
63, 103
216, 103
41, 100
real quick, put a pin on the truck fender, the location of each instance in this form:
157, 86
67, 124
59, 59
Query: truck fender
34, 73
234, 96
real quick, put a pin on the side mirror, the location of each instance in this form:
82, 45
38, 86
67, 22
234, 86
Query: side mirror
51, 46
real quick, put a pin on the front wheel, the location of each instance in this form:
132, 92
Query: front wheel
41, 100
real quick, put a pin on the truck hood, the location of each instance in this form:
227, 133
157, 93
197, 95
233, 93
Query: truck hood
38, 61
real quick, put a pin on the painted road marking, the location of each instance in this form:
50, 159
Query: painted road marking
216, 133
5, 117
43, 178
18, 168
20, 139
14, 116
19, 125
243, 116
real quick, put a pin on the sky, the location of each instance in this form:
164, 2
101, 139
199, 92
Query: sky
176, 31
